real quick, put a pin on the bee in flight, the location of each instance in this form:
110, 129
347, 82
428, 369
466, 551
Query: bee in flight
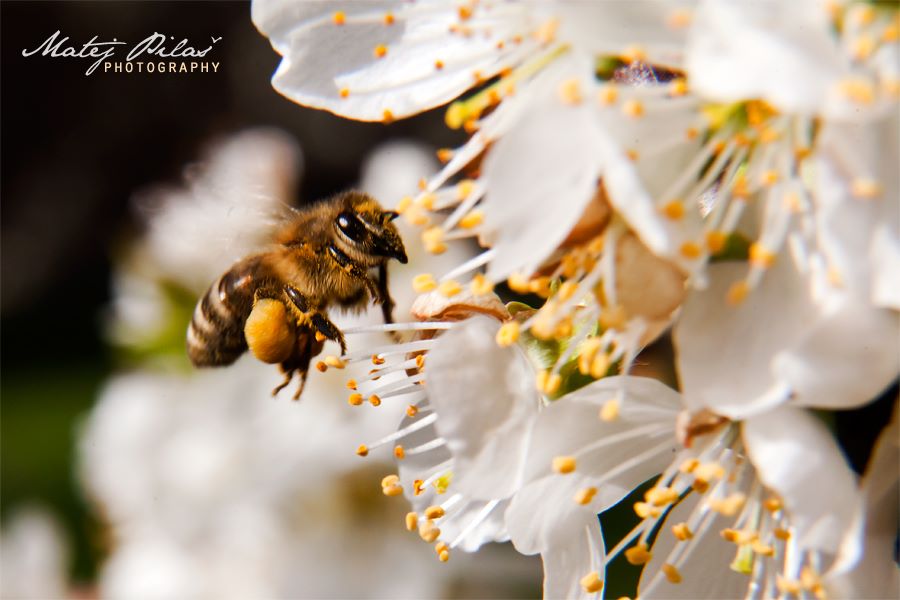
275, 303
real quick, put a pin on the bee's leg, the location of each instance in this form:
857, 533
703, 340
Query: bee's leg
328, 329
288, 375
300, 387
355, 270
387, 303
300, 302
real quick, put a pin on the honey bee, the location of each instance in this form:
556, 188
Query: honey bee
275, 302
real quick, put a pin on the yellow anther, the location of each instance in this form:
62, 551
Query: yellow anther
682, 532
518, 283
762, 549
362, 450
671, 573
608, 94
741, 139
449, 288
633, 108
761, 256
570, 91
770, 177
740, 187
377, 360
424, 283
787, 586
564, 464
334, 361
355, 399
387, 116
440, 547
680, 18
600, 365
866, 189
321, 366
891, 87
443, 482
715, 241
404, 204
344, 92
691, 133
646, 510
540, 286
633, 155
793, 202
660, 496
585, 495
781, 534
464, 12
380, 51
388, 480
412, 410
481, 285
678, 87
388, 19
810, 580
425, 201
613, 317
673, 210
339, 18
412, 521
738, 292
444, 155
464, 189
428, 532
444, 555
420, 361
591, 583
566, 290
548, 382
546, 31
769, 134
609, 411
700, 486
863, 47
709, 471
351, 384
392, 490
691, 250
564, 329
418, 487
891, 33
586, 353
860, 91
508, 334
729, 535
399, 452
772, 504
638, 555
433, 240
728, 506
434, 512
689, 465
473, 219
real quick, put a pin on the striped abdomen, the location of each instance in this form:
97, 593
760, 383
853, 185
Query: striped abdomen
215, 336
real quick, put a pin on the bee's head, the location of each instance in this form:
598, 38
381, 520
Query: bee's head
367, 230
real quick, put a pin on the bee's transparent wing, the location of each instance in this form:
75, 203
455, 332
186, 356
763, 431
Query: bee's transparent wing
228, 207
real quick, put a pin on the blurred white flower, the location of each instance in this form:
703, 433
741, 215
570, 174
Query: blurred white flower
33, 555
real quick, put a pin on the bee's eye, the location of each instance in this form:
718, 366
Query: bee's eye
350, 226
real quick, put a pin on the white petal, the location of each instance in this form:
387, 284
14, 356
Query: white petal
322, 58
724, 352
795, 456
846, 360
540, 176
705, 572
543, 517
876, 575
886, 267
486, 403
782, 52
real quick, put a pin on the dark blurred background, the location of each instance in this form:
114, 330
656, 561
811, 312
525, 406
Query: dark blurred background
74, 149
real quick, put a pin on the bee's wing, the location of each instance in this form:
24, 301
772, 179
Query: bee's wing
230, 205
